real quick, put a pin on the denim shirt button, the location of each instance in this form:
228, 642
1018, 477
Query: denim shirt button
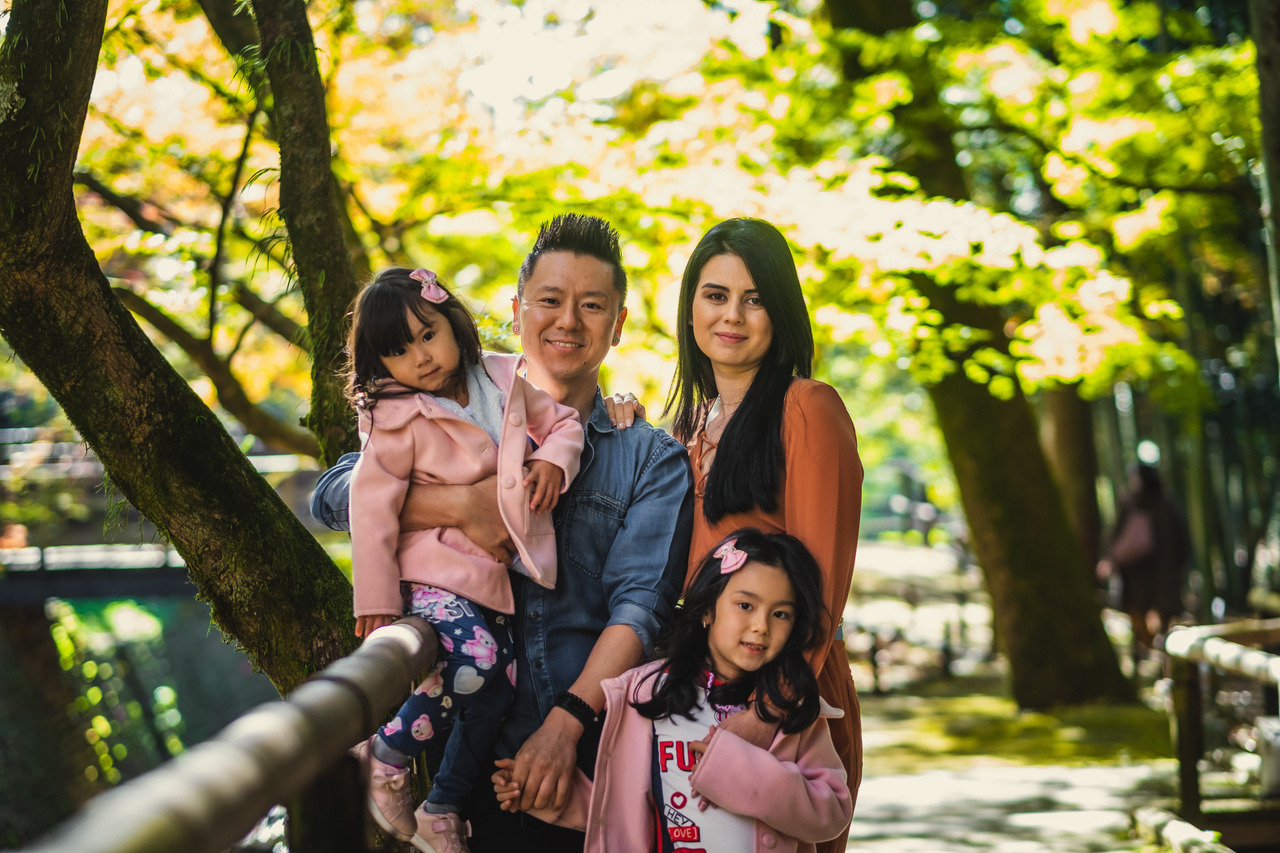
537, 664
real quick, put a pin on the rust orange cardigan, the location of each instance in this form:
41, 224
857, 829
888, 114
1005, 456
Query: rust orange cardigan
819, 502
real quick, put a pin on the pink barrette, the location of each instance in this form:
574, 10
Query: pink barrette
431, 291
731, 559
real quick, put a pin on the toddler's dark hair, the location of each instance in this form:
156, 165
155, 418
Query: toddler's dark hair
379, 326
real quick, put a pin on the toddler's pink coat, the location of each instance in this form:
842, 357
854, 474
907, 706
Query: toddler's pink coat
796, 788
413, 439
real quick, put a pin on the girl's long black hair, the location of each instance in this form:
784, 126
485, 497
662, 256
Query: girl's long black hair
753, 438
784, 689
379, 326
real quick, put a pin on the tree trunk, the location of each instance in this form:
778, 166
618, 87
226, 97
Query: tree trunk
1066, 433
269, 584
1042, 598
311, 208
1264, 20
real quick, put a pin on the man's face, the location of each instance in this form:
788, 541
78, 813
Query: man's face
568, 317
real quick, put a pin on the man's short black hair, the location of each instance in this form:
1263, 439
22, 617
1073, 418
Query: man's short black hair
581, 235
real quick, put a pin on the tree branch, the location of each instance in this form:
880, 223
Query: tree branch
228, 200
136, 209
270, 316
1235, 188
312, 211
231, 394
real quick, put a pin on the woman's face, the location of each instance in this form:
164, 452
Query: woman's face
729, 322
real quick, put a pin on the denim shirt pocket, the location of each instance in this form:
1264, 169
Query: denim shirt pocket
592, 519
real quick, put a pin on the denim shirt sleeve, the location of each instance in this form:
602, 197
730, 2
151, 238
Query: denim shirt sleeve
645, 569
329, 501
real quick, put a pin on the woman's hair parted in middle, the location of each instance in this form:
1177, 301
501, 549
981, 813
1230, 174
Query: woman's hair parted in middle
753, 439
380, 325
783, 689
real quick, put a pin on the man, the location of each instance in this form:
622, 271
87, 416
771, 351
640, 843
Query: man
622, 535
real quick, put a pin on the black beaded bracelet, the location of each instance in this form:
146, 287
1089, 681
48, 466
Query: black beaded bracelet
577, 706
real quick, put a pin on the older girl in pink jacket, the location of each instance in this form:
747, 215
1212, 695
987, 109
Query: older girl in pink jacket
434, 409
666, 777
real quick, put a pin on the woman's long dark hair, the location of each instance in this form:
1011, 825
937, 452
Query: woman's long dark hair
753, 438
784, 689
379, 326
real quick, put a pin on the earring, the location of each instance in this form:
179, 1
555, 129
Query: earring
616, 338
515, 328
706, 621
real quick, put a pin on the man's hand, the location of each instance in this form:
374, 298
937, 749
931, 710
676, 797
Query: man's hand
543, 768
472, 509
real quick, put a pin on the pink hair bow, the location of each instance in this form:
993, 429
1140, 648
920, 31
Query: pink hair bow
431, 291
731, 559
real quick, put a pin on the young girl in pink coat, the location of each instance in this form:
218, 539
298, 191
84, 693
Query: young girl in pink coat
434, 409
738, 640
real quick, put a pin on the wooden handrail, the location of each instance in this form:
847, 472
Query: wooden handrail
1226, 647
210, 796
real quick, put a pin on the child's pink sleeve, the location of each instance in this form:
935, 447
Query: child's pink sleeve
557, 431
807, 799
378, 486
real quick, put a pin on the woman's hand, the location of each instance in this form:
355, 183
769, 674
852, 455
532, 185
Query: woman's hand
747, 725
623, 409
366, 625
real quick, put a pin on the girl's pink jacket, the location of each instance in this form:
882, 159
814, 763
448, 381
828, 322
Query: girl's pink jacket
796, 789
411, 439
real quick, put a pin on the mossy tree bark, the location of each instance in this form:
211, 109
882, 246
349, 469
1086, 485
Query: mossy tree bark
312, 211
268, 582
1035, 570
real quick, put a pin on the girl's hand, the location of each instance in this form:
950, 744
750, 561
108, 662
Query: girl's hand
507, 791
623, 409
544, 479
700, 746
366, 625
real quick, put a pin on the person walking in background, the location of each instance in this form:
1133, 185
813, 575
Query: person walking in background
434, 409
770, 448
1147, 553
669, 776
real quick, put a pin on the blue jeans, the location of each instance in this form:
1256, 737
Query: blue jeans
470, 689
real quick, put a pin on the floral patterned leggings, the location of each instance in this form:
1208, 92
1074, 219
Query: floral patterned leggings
470, 688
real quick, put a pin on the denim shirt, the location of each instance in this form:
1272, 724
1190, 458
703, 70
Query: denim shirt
622, 539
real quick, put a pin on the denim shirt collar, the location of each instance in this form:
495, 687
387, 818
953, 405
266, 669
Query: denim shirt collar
599, 420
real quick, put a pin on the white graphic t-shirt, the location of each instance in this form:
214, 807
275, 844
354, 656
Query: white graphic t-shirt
711, 830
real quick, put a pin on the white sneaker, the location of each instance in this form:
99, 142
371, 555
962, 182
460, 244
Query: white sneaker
440, 833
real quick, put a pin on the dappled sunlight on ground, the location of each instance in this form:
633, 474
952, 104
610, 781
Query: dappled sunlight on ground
951, 764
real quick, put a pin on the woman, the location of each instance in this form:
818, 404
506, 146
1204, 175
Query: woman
1148, 551
770, 447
